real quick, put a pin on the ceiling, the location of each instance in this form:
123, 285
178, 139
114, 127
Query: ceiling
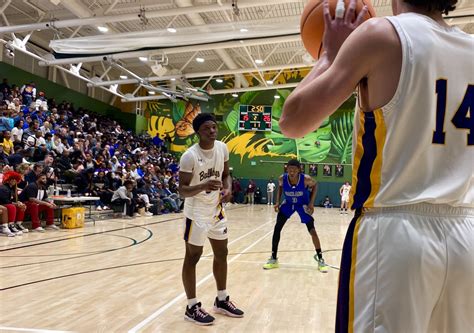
230, 60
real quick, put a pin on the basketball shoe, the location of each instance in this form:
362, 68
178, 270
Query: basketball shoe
322, 267
227, 308
271, 263
198, 315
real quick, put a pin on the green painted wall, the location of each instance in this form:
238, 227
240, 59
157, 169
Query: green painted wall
19, 77
141, 124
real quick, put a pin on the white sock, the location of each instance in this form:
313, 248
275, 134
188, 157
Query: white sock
221, 295
192, 302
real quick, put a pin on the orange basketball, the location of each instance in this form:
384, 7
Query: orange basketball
312, 22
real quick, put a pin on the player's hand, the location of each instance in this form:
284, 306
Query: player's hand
226, 195
212, 185
338, 29
310, 209
277, 208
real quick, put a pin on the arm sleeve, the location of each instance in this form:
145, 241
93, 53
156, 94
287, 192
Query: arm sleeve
186, 164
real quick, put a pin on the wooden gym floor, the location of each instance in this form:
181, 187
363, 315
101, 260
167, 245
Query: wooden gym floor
125, 276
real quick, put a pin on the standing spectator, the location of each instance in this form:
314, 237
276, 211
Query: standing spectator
236, 190
270, 190
251, 192
35, 197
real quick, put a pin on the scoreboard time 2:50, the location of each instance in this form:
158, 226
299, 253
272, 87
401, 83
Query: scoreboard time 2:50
255, 118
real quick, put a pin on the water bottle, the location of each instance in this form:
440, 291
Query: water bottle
57, 191
68, 193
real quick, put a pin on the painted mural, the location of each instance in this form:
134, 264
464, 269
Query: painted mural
331, 143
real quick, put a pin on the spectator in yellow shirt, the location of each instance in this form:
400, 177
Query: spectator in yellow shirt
8, 143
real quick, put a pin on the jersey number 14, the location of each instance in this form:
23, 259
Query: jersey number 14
463, 118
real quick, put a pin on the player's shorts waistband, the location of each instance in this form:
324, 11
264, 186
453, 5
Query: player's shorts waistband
423, 209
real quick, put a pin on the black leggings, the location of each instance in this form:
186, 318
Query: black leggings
281, 220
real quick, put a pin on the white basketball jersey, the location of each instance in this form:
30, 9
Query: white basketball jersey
419, 147
204, 165
345, 190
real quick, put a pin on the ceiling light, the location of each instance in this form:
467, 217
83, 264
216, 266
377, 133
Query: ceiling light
101, 28
172, 30
173, 79
151, 92
235, 95
270, 82
219, 80
143, 58
277, 97
258, 61
201, 60
123, 77
244, 30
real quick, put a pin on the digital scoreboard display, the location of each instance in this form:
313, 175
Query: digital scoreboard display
255, 118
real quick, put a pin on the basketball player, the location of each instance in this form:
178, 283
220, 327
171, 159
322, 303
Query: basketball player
407, 261
344, 192
294, 184
205, 182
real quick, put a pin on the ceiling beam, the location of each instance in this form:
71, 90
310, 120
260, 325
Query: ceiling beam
134, 16
218, 73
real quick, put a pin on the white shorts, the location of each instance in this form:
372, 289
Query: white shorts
196, 231
408, 269
345, 198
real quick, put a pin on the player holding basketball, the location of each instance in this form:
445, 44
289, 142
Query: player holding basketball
407, 261
205, 182
294, 185
344, 192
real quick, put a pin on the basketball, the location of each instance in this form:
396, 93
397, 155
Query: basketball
312, 22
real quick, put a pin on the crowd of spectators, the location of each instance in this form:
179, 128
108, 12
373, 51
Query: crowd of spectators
45, 143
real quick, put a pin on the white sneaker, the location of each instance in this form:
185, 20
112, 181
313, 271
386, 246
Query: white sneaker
14, 230
52, 227
136, 215
7, 232
39, 229
99, 208
106, 208
148, 214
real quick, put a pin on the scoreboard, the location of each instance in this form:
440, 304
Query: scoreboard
255, 118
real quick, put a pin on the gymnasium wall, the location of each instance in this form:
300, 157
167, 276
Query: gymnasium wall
19, 77
260, 155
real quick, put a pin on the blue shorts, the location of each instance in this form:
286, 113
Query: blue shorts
288, 210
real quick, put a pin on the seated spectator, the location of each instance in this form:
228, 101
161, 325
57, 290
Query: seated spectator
3, 155
16, 158
85, 182
33, 175
39, 154
8, 143
9, 199
169, 198
5, 229
17, 131
104, 190
124, 196
35, 140
35, 197
327, 202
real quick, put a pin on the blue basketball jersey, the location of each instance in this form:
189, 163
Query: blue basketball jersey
295, 194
